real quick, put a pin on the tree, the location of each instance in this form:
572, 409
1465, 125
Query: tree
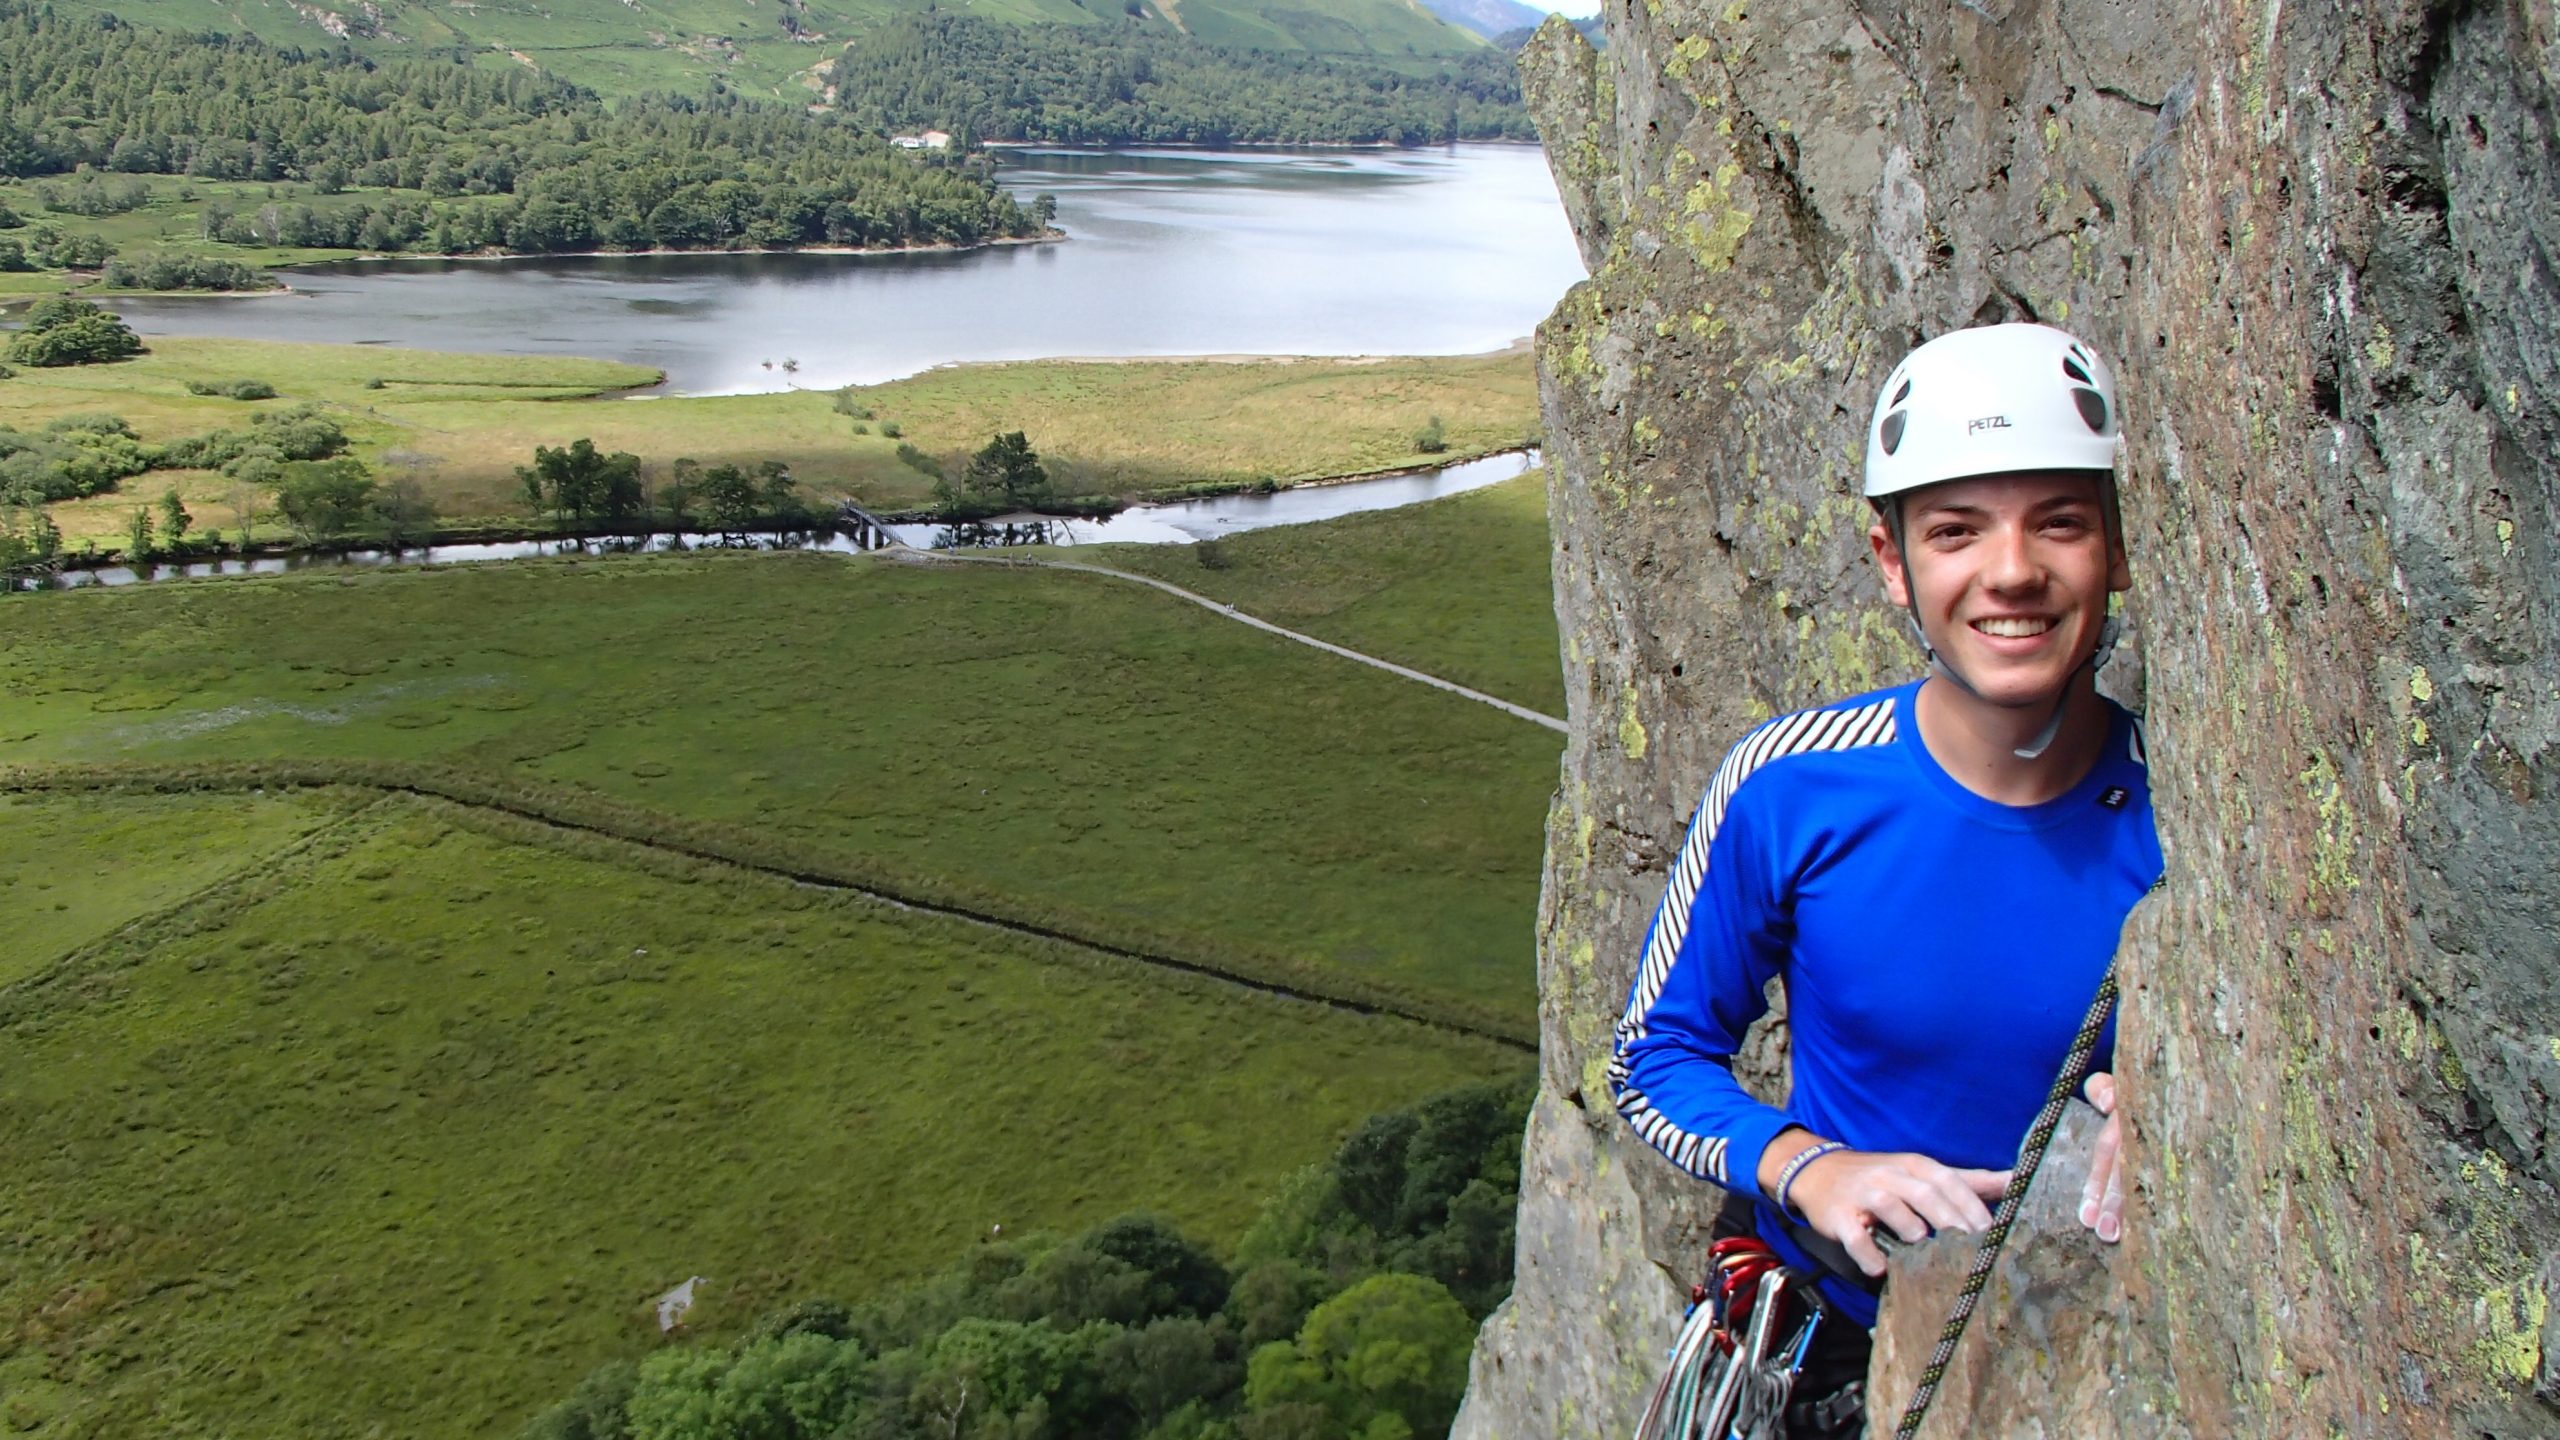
247, 502
405, 512
1385, 1358
577, 480
174, 519
683, 485
324, 497
1005, 474
29, 540
1160, 1367
727, 496
67, 330
137, 541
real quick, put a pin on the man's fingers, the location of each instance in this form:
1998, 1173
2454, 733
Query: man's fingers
2101, 1091
1896, 1214
2106, 1166
2111, 1206
1862, 1248
1987, 1185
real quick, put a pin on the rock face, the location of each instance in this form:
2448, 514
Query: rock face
2319, 246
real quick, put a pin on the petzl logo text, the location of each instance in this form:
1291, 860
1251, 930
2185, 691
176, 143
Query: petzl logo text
1987, 422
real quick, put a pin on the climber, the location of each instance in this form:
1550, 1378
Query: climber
1936, 872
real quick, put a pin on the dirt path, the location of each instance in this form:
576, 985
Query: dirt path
1521, 712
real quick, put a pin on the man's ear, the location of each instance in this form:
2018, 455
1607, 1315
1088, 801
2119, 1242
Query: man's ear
1897, 584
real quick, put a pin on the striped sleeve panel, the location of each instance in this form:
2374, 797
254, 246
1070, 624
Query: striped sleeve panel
1842, 728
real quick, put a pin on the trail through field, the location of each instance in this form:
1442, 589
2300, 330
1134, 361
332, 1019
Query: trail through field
41, 780
1522, 712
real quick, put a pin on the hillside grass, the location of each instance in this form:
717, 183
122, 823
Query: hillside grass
461, 424
1456, 587
626, 47
1070, 750
401, 1134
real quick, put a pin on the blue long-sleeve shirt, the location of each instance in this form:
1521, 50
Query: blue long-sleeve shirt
1939, 950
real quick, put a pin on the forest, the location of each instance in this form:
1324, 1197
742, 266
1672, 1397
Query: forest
480, 160
1096, 85
1348, 1310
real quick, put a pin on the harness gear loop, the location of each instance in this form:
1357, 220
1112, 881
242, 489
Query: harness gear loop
1733, 1369
2075, 1067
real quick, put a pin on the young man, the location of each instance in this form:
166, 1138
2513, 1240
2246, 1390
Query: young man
1936, 872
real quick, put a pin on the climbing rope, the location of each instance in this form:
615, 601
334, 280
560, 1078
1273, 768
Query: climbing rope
2074, 1067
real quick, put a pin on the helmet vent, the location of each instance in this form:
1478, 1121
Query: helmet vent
2073, 369
2093, 411
1891, 436
1899, 396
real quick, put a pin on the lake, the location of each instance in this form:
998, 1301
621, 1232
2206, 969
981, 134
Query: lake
1434, 252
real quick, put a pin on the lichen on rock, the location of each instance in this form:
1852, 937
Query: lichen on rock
2319, 245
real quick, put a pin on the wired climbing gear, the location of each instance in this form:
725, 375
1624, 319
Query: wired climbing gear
1731, 1374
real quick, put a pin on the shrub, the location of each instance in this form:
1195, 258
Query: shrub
915, 459
233, 389
846, 404
76, 456
66, 330
892, 429
1433, 438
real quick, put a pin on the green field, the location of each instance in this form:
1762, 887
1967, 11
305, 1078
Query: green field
1451, 588
418, 971
1070, 750
401, 1135
461, 424
72, 871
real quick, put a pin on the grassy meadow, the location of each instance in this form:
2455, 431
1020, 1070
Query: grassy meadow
387, 1025
72, 871
1065, 749
461, 424
1453, 587
401, 1133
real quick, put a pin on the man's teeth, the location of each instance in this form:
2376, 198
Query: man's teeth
2017, 627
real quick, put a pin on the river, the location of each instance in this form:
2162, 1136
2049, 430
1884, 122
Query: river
1342, 252
1181, 522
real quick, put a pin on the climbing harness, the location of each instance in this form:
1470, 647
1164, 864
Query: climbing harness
1731, 1375
2075, 1068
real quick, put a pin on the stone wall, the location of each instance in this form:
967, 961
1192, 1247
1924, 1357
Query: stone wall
2319, 246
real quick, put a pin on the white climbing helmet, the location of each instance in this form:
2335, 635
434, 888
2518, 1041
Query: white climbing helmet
1991, 401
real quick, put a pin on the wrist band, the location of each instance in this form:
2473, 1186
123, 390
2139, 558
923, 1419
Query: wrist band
1795, 1167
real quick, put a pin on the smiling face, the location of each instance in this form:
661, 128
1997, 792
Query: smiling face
2013, 573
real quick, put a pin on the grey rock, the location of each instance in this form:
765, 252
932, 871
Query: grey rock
2322, 246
